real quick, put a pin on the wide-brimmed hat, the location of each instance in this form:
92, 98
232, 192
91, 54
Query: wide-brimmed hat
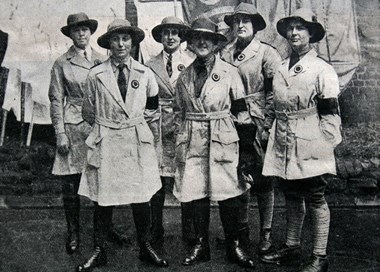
79, 19
249, 10
170, 21
121, 26
204, 26
307, 17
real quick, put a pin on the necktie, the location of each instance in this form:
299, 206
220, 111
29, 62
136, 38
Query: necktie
169, 67
122, 81
85, 55
200, 79
294, 58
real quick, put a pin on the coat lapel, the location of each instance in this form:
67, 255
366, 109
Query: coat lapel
157, 66
108, 79
248, 53
134, 83
78, 60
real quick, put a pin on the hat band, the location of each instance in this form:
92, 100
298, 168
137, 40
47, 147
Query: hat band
204, 30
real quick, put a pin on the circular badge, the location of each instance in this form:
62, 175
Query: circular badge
298, 69
215, 77
135, 84
181, 67
241, 57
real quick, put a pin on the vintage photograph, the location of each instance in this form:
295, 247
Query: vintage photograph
190, 135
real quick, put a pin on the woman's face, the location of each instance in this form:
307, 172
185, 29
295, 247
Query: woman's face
80, 36
203, 46
243, 27
298, 36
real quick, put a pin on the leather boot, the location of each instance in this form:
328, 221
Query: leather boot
284, 256
98, 258
188, 232
72, 242
149, 255
156, 208
71, 205
237, 254
265, 244
199, 253
317, 264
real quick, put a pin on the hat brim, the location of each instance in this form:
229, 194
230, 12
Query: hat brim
316, 29
220, 38
157, 30
136, 33
258, 21
91, 24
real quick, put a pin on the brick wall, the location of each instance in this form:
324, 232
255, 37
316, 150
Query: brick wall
360, 102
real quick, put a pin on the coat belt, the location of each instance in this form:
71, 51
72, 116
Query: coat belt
78, 101
258, 96
293, 115
165, 101
196, 116
117, 124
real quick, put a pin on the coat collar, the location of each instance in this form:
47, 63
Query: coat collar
249, 52
75, 58
302, 66
215, 75
107, 77
157, 66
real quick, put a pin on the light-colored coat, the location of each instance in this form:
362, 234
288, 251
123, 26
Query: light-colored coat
207, 141
257, 62
122, 166
301, 143
68, 78
166, 151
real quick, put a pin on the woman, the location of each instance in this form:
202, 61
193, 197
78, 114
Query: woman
122, 165
303, 137
68, 77
207, 143
256, 62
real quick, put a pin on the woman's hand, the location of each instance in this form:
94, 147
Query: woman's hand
63, 143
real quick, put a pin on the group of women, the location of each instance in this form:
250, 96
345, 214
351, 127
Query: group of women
240, 117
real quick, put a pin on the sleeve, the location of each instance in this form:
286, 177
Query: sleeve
238, 104
179, 108
271, 63
56, 97
327, 105
88, 107
152, 112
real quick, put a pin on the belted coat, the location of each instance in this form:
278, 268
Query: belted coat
207, 141
166, 94
122, 165
68, 78
302, 139
256, 64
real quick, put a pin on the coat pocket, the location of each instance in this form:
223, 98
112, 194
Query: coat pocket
225, 147
145, 135
181, 147
310, 142
93, 153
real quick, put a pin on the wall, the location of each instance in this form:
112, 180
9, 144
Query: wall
360, 102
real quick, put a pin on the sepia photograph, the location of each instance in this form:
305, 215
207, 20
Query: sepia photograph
190, 135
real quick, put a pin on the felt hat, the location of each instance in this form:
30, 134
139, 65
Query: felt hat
121, 26
308, 18
79, 19
204, 26
249, 10
172, 22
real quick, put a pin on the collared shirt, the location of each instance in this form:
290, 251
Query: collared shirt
176, 61
127, 69
88, 50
